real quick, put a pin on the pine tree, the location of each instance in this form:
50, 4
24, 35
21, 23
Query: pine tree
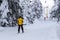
56, 12
31, 10
14, 8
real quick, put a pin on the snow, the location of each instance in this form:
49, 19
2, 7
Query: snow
40, 30
1, 29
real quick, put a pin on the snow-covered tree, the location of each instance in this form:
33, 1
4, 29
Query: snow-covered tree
37, 8
31, 9
56, 10
3, 12
14, 9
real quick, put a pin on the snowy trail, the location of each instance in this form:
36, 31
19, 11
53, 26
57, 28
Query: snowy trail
43, 30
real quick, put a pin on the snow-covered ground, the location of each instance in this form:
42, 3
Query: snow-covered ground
40, 30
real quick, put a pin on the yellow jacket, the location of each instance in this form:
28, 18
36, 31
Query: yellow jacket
20, 21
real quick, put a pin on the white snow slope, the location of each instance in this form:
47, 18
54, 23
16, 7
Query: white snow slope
41, 30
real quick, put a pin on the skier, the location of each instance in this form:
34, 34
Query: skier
20, 24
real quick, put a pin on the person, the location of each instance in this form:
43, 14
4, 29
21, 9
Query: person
20, 24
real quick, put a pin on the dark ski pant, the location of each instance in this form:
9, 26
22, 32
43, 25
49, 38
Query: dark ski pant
20, 26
